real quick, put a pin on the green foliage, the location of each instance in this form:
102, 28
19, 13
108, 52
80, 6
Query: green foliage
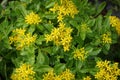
88, 26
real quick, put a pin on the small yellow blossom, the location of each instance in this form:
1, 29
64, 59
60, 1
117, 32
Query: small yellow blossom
49, 76
87, 78
115, 22
58, 78
24, 72
32, 18
80, 54
20, 39
60, 36
54, 9
106, 38
107, 71
65, 8
67, 75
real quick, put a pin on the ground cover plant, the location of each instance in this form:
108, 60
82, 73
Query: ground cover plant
58, 40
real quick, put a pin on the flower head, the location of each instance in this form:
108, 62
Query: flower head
66, 7
115, 22
60, 36
24, 72
87, 78
49, 76
20, 39
107, 71
106, 38
67, 75
80, 54
32, 18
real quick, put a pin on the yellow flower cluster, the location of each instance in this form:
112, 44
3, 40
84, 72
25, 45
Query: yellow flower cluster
60, 36
66, 7
66, 75
115, 22
24, 72
49, 76
87, 78
107, 71
106, 38
20, 39
32, 18
80, 54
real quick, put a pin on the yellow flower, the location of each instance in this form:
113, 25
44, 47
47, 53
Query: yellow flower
32, 18
80, 54
54, 9
107, 71
60, 18
115, 22
24, 72
58, 78
66, 7
106, 38
20, 39
49, 76
67, 75
66, 47
87, 78
60, 36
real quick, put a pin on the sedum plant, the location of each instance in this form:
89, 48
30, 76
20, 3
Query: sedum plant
57, 40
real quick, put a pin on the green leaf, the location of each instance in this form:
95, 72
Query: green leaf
89, 49
50, 16
59, 68
91, 22
28, 54
1, 9
31, 29
100, 7
107, 46
83, 35
48, 27
47, 50
95, 52
90, 70
106, 25
50, 4
40, 39
43, 68
42, 58
78, 64
73, 23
